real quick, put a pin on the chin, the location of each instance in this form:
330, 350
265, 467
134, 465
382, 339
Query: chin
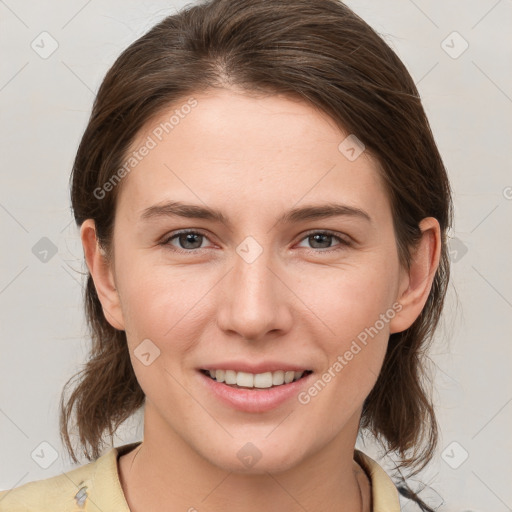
254, 458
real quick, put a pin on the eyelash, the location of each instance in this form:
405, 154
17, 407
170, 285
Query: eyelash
342, 245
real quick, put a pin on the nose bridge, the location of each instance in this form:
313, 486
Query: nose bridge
254, 302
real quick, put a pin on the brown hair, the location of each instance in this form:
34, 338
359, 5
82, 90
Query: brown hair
323, 53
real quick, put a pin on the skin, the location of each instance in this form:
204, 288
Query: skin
302, 300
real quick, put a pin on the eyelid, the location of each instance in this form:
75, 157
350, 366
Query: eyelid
336, 234
344, 240
168, 237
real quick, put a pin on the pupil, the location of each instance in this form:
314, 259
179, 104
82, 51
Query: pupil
315, 238
189, 238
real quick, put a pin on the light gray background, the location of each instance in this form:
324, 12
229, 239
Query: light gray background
45, 104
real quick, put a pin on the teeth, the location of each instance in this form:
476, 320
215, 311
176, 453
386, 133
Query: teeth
288, 377
278, 378
258, 380
263, 380
230, 377
244, 379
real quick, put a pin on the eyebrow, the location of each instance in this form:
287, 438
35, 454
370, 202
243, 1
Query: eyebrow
304, 213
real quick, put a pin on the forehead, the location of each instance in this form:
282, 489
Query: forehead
231, 148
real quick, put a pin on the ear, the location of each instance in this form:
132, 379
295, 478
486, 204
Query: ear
416, 282
102, 275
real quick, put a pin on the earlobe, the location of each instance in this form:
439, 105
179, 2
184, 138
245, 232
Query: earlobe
417, 281
102, 275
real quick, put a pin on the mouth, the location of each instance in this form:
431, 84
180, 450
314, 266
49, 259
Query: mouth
255, 381
262, 392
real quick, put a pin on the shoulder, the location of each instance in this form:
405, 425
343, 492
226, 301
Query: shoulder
91, 487
54, 494
385, 496
390, 497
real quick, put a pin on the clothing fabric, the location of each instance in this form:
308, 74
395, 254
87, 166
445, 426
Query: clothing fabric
95, 487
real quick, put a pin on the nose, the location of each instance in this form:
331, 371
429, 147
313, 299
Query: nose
255, 302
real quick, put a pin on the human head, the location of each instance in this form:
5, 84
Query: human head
338, 65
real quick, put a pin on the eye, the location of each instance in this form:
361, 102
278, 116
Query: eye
323, 239
187, 241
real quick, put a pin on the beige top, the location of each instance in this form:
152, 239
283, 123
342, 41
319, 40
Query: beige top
95, 487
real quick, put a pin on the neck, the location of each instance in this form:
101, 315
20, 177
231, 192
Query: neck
164, 473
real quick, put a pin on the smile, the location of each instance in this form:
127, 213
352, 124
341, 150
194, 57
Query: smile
252, 399
239, 379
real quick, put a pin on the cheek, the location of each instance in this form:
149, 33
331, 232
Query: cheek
351, 299
165, 305
356, 308
340, 390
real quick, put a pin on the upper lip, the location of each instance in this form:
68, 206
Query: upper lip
263, 367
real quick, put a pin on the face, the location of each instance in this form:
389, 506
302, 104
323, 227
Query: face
272, 280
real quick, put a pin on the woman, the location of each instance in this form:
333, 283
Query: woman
263, 211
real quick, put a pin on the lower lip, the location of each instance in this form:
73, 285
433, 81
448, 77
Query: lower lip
254, 400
